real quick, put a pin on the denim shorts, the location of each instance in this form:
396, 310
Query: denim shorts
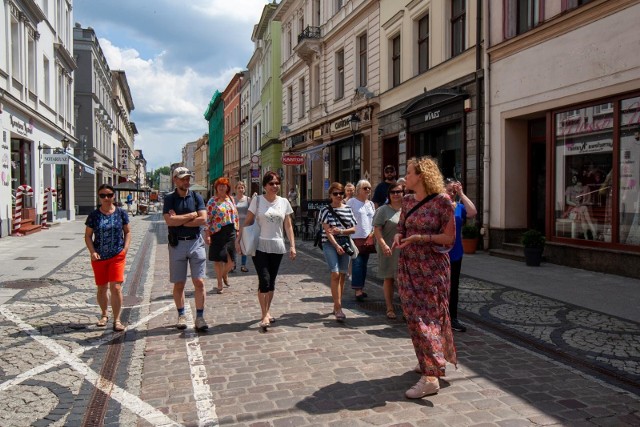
337, 263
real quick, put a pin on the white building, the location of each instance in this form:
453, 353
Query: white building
36, 107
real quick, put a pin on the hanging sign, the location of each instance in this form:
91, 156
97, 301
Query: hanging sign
292, 159
55, 159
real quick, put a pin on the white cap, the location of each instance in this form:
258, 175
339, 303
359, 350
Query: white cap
181, 172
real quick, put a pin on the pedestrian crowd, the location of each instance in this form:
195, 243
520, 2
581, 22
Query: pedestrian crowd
412, 224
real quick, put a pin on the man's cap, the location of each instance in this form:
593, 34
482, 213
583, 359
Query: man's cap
181, 172
390, 168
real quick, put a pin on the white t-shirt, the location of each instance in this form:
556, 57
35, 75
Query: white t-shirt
363, 212
270, 217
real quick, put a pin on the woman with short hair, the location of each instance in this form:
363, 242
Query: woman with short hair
363, 211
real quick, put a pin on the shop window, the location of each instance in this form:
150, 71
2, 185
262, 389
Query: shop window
629, 193
348, 165
445, 145
583, 174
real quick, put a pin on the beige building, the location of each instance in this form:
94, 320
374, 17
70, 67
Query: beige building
330, 76
564, 130
431, 87
201, 161
125, 130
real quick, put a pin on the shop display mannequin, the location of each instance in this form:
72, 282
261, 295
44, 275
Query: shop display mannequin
576, 199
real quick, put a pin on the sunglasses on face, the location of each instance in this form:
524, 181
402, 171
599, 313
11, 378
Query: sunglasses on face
105, 195
338, 194
396, 192
366, 188
274, 183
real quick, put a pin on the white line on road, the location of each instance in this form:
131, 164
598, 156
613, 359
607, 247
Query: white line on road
126, 399
201, 392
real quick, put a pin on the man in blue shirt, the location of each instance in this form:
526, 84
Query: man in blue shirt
185, 213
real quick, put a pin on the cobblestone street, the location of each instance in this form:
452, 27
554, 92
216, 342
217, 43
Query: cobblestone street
526, 359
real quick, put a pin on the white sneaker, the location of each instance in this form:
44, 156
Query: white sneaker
182, 322
423, 388
201, 324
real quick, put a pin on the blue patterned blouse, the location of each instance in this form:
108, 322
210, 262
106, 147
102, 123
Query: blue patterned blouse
108, 231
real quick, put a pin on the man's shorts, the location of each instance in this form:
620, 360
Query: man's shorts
188, 252
109, 270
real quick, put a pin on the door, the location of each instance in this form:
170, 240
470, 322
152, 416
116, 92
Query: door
537, 174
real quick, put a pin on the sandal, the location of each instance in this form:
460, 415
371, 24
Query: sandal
244, 269
391, 315
118, 326
264, 326
226, 281
219, 290
103, 321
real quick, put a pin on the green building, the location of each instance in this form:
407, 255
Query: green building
215, 116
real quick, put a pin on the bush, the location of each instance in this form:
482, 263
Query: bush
470, 231
532, 239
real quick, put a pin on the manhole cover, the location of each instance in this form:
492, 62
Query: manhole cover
25, 258
27, 283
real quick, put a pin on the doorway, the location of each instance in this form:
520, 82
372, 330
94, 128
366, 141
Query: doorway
536, 215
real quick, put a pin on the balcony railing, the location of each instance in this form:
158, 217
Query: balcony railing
309, 33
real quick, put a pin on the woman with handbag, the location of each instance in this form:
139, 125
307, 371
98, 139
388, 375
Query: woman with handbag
385, 225
272, 213
426, 232
338, 223
222, 225
242, 205
363, 211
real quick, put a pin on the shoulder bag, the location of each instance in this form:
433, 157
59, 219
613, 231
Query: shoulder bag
346, 242
366, 245
251, 234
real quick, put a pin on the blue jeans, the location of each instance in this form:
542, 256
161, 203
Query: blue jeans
359, 271
243, 260
337, 263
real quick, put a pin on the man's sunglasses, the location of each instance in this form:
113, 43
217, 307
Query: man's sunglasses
105, 195
336, 193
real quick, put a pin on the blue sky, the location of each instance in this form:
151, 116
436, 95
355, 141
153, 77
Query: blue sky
176, 54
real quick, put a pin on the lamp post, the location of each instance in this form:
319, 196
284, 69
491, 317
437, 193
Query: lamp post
354, 123
137, 162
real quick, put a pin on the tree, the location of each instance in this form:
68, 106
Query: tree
155, 177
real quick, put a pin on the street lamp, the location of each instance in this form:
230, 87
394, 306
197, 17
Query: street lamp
137, 162
354, 123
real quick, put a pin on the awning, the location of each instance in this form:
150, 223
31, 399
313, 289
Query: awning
88, 169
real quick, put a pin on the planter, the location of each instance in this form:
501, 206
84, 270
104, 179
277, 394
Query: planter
469, 246
533, 256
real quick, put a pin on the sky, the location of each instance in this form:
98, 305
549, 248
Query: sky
175, 54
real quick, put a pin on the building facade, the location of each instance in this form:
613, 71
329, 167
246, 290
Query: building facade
564, 130
214, 115
124, 130
95, 119
231, 154
201, 161
246, 147
36, 109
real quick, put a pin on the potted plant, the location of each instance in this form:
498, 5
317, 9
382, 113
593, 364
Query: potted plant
470, 235
533, 242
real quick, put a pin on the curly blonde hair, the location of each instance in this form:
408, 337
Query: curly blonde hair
432, 179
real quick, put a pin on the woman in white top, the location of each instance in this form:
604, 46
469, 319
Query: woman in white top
242, 205
363, 210
272, 212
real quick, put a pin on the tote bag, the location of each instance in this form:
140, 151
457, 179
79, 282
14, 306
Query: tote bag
251, 234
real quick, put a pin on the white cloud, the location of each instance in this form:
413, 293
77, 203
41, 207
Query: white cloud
235, 10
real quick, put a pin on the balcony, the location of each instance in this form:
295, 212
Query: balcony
309, 44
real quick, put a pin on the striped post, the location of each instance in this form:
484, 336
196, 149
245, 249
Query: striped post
45, 207
22, 190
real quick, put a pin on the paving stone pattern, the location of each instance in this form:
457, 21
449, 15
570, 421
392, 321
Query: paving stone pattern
307, 370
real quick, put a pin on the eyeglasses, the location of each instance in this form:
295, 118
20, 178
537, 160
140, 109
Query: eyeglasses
273, 183
366, 188
106, 195
396, 192
336, 193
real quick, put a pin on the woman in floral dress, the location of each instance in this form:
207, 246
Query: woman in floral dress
424, 237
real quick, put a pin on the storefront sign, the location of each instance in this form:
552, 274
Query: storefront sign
588, 147
292, 159
55, 159
432, 115
20, 126
124, 158
317, 133
341, 124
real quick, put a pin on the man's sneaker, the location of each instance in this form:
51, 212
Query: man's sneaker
201, 324
457, 326
182, 322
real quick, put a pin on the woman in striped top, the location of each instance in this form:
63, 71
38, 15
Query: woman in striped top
334, 234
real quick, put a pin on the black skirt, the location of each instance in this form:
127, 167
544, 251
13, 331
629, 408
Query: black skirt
223, 244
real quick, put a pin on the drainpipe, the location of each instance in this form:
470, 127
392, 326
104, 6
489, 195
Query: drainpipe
486, 194
478, 87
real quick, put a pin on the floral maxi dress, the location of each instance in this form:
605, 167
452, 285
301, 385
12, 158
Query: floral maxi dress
424, 282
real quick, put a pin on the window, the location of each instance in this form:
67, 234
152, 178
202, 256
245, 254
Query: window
290, 104
31, 62
315, 91
362, 60
339, 4
15, 50
301, 22
423, 44
571, 4
458, 14
339, 91
395, 61
46, 71
521, 16
301, 98
316, 13
289, 43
